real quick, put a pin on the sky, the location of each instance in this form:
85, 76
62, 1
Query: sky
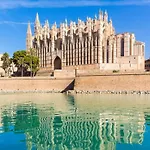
127, 16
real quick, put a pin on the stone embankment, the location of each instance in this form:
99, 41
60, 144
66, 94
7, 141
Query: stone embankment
108, 92
34, 85
29, 91
100, 84
114, 84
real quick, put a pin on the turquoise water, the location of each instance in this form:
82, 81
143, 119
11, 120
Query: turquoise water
83, 122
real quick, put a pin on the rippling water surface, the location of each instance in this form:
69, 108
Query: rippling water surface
81, 122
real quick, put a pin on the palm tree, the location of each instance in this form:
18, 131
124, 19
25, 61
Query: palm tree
6, 62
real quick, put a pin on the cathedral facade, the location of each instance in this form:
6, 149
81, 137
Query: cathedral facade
90, 44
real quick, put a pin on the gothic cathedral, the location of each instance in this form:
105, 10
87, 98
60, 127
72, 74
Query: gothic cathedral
92, 44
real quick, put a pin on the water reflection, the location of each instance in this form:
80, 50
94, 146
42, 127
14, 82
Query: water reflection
76, 122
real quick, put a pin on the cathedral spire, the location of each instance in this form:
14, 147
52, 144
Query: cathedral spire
29, 32
110, 20
37, 26
29, 38
47, 23
100, 15
37, 20
95, 17
66, 23
106, 16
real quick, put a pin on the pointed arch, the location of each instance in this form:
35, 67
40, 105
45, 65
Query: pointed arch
57, 63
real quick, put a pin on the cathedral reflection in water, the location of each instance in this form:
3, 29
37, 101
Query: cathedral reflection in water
75, 130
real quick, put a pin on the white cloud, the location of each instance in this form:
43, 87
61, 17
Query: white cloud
14, 23
10, 4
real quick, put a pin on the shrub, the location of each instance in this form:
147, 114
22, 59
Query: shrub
115, 71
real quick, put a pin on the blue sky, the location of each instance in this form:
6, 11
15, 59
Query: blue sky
127, 16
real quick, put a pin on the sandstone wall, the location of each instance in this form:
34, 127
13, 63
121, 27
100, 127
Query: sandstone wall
112, 82
82, 67
64, 73
118, 82
28, 84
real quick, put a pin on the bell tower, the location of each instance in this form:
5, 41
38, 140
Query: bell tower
29, 38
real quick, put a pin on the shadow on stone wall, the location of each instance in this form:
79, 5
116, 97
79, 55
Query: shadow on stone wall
69, 87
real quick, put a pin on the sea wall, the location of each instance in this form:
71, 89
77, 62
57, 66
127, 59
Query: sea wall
108, 83
113, 82
34, 84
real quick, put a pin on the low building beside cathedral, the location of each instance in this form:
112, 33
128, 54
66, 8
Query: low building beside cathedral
88, 45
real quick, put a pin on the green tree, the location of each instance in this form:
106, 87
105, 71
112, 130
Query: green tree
6, 62
26, 60
18, 56
18, 59
33, 63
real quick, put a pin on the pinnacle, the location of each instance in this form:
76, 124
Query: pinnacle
29, 29
37, 21
47, 23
